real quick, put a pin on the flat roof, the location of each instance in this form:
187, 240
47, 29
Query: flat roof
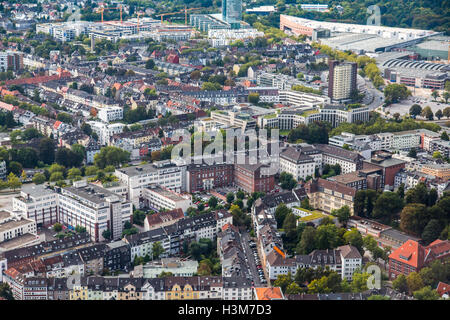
13, 224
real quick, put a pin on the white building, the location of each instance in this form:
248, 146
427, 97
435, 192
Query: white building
351, 260
223, 37
299, 164
162, 198
94, 208
38, 203
109, 114
105, 131
162, 173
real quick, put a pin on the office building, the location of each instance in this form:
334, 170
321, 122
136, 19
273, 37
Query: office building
341, 80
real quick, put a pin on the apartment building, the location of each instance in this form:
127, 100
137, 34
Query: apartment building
11, 60
94, 208
109, 114
105, 131
389, 167
38, 203
329, 195
438, 170
165, 199
162, 219
341, 80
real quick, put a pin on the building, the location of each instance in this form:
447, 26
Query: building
105, 131
349, 161
438, 170
412, 256
11, 60
163, 173
38, 203
16, 232
202, 177
177, 267
162, 219
159, 198
299, 164
270, 293
341, 80
351, 260
94, 208
390, 167
252, 177
109, 114
232, 10
315, 7
329, 195
386, 236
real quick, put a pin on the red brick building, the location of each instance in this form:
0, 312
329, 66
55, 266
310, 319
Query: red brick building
201, 177
250, 178
389, 167
412, 256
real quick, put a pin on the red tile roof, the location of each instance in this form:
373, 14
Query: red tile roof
273, 293
410, 253
443, 288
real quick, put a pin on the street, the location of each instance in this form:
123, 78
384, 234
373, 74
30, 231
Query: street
251, 263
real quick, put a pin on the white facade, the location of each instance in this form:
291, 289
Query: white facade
105, 131
159, 198
109, 114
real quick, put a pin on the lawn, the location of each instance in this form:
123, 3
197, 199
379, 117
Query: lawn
314, 215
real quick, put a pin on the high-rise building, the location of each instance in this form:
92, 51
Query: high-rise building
232, 10
341, 80
11, 60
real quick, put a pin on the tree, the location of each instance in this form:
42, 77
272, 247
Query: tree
56, 176
343, 214
5, 291
414, 281
15, 167
412, 153
149, 64
157, 250
39, 178
280, 214
427, 113
418, 194
111, 155
446, 96
106, 234
319, 286
359, 282
230, 197
212, 202
47, 151
415, 110
327, 236
293, 288
435, 94
253, 97
57, 227
412, 217
287, 181
401, 191
444, 136
80, 229
432, 230
387, 206
307, 241
283, 281
13, 181
378, 297
396, 92
354, 238
64, 117
400, 284
439, 114
426, 293
74, 173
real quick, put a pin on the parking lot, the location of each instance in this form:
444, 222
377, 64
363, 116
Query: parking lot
403, 107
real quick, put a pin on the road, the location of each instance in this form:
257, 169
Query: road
251, 259
375, 96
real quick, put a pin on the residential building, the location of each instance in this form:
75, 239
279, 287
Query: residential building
341, 80
176, 266
253, 177
202, 177
296, 163
110, 114
329, 195
162, 219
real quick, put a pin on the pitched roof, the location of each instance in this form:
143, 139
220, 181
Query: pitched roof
273, 293
410, 253
349, 252
443, 288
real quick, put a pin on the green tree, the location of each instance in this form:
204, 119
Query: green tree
212, 202
6, 292
13, 181
435, 94
378, 297
354, 238
157, 250
396, 92
426, 293
343, 214
39, 178
307, 241
283, 281
56, 176
427, 113
230, 197
400, 284
111, 155
57, 227
415, 110
253, 98
412, 218
387, 206
280, 214
359, 282
444, 136
414, 281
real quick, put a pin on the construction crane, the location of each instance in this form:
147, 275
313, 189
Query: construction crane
185, 11
102, 9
